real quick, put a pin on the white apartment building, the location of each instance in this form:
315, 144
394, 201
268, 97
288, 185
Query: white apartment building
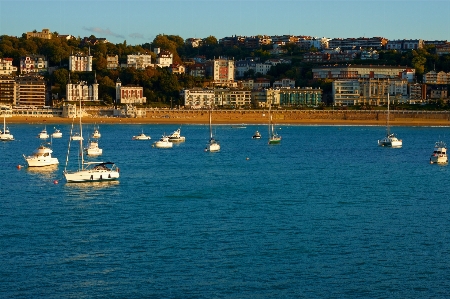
284, 83
434, 77
129, 94
82, 91
80, 62
112, 62
410, 44
369, 91
163, 58
221, 70
6, 66
197, 98
33, 64
139, 61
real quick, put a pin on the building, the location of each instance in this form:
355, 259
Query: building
197, 98
261, 83
6, 67
294, 97
163, 58
371, 91
197, 70
221, 70
112, 62
339, 72
30, 91
82, 91
7, 90
45, 34
410, 44
177, 68
284, 83
443, 49
80, 62
360, 43
434, 77
129, 94
33, 64
139, 61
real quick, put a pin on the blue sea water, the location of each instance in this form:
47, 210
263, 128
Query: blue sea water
325, 214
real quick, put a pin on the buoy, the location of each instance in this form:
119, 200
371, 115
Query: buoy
19, 166
247, 158
55, 182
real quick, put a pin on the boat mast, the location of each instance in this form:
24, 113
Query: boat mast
81, 139
387, 118
270, 119
210, 126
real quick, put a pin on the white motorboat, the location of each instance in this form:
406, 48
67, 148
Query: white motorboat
163, 142
42, 156
57, 133
213, 144
96, 134
5, 135
76, 136
43, 134
439, 155
141, 136
390, 140
176, 136
90, 171
93, 149
257, 135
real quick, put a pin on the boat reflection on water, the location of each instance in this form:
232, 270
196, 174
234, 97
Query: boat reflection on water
44, 171
92, 185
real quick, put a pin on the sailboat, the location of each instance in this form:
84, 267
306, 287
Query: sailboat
5, 135
274, 138
90, 171
213, 145
390, 140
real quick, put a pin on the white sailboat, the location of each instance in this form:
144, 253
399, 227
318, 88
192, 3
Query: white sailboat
274, 138
213, 145
5, 135
390, 140
90, 171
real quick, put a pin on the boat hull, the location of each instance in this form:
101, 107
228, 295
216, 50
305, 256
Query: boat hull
438, 159
390, 142
162, 144
91, 176
214, 147
41, 162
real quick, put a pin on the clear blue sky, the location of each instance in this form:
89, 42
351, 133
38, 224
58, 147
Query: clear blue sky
139, 22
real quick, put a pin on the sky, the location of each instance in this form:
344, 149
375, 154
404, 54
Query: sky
139, 22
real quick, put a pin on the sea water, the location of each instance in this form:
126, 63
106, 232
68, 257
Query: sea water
325, 214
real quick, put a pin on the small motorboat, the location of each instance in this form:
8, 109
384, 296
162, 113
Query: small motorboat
176, 136
57, 133
439, 155
96, 134
43, 134
93, 149
141, 136
42, 156
257, 135
76, 136
163, 142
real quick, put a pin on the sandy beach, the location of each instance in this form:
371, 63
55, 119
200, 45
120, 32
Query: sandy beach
256, 117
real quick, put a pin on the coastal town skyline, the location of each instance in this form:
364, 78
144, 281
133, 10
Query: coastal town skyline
138, 22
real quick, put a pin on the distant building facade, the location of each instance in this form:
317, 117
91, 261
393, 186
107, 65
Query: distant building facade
82, 91
6, 67
33, 64
129, 94
30, 91
139, 61
44, 34
80, 63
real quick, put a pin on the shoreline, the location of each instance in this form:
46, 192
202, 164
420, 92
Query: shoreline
234, 121
259, 117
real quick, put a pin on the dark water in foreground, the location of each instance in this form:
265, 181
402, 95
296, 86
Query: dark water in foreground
326, 214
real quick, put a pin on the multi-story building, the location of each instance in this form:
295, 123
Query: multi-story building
363, 72
139, 61
129, 94
7, 90
80, 62
33, 64
443, 49
45, 34
417, 93
193, 42
197, 70
376, 43
82, 91
410, 44
284, 83
112, 62
261, 83
368, 91
307, 96
233, 98
438, 92
30, 91
6, 67
177, 68
433, 77
197, 98
221, 70
163, 58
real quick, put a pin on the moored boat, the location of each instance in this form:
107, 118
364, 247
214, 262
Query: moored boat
42, 156
93, 149
141, 136
163, 142
439, 155
257, 135
43, 134
176, 136
57, 133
